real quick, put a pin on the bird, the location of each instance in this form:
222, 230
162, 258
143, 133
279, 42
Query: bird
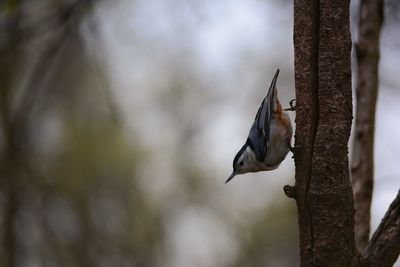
269, 139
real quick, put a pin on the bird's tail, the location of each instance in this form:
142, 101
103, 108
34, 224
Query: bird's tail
272, 95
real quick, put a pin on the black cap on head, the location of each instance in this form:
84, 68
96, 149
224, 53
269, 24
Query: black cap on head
235, 162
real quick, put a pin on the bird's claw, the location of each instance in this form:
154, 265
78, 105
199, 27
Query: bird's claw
292, 106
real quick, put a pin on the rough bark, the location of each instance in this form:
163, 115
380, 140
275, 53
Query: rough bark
323, 190
323, 120
362, 165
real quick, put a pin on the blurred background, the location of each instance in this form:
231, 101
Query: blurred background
120, 120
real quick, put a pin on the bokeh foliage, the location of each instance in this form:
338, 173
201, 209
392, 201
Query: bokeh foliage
74, 190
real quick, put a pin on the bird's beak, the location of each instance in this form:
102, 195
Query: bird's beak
231, 176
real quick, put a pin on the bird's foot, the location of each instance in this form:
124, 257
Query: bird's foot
292, 106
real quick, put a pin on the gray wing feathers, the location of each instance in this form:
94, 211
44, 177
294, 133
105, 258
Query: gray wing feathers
259, 132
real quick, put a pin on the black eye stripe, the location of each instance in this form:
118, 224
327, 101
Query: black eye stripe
241, 163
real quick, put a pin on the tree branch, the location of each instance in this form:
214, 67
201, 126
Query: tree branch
384, 247
362, 165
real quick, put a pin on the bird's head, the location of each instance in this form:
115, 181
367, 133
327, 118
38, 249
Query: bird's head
245, 161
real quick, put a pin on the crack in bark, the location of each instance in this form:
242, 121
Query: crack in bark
314, 106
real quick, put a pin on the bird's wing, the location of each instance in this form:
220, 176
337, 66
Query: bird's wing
259, 132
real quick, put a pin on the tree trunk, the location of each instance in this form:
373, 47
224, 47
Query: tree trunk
323, 191
362, 165
323, 122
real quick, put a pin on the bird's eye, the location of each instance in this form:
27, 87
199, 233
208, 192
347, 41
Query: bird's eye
241, 163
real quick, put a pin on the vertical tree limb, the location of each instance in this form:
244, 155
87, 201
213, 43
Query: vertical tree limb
362, 165
323, 120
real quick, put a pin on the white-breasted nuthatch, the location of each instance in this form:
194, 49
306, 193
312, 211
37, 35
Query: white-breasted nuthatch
269, 138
